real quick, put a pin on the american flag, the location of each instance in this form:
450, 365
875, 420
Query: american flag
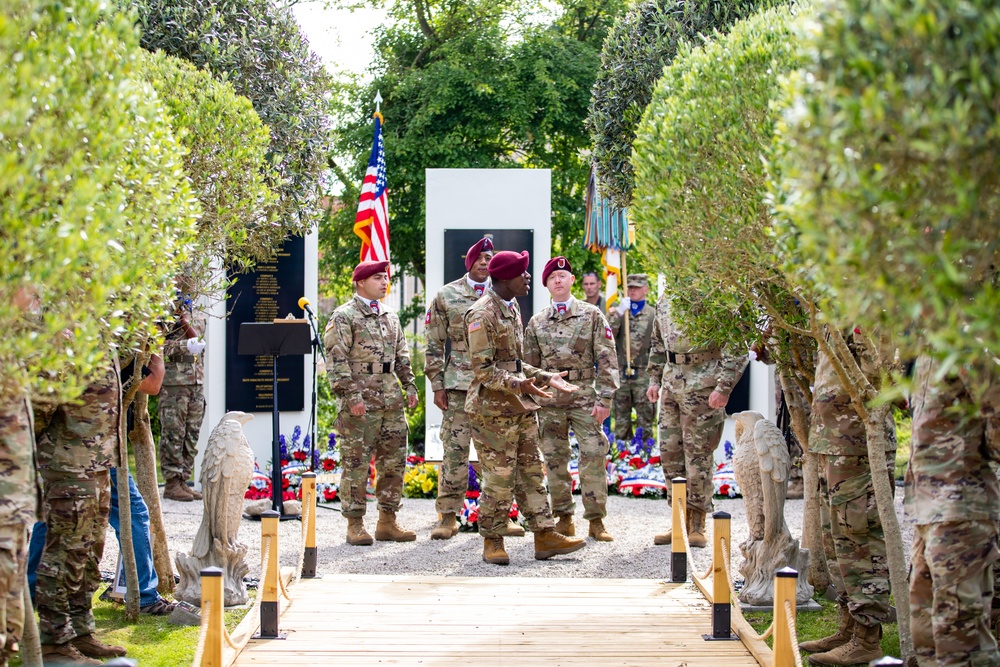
372, 220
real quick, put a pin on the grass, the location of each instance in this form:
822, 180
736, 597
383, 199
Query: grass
153, 641
903, 429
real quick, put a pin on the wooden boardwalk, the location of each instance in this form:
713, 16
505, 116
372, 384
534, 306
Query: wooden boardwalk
495, 621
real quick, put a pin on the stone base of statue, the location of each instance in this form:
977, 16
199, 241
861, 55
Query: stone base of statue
762, 559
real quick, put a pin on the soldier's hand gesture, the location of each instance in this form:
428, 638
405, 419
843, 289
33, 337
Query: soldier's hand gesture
527, 386
557, 382
653, 393
358, 409
441, 399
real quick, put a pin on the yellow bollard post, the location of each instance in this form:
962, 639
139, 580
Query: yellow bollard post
678, 555
212, 599
721, 601
309, 516
785, 581
269, 611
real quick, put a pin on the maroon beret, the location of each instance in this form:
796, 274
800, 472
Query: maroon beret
554, 264
368, 269
477, 249
507, 265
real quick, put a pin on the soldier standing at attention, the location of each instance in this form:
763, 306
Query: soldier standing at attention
501, 406
181, 402
592, 291
952, 497
573, 337
853, 539
367, 358
696, 386
632, 393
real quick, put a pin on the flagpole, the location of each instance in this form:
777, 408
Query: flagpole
628, 338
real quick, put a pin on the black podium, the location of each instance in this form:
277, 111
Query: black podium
279, 338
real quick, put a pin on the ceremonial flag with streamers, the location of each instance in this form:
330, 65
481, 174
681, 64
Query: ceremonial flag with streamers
372, 221
606, 230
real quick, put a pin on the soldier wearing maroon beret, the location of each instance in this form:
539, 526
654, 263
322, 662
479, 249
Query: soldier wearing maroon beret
501, 406
367, 360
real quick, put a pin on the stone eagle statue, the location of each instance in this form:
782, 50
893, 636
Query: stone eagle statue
760, 465
226, 469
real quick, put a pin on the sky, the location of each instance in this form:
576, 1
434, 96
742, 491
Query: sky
339, 36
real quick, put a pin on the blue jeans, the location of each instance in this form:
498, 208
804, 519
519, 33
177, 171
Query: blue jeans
148, 581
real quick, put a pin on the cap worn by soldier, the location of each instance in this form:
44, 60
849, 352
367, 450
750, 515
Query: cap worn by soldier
368, 269
484, 244
555, 264
507, 265
638, 280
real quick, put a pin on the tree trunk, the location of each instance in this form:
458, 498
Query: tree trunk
31, 650
125, 520
145, 477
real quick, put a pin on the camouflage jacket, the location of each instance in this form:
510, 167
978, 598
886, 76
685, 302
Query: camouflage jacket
640, 329
445, 321
19, 490
949, 477
721, 369
495, 340
365, 354
180, 366
834, 425
574, 341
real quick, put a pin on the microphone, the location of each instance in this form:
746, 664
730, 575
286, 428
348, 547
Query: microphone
304, 305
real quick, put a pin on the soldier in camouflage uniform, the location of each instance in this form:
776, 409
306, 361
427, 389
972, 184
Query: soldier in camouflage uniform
696, 383
501, 407
182, 401
952, 497
366, 352
18, 510
574, 337
632, 393
853, 539
450, 373
76, 446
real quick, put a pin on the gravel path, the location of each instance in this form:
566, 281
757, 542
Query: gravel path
632, 522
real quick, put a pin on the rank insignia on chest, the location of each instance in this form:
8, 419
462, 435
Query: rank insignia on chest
427, 318
475, 326
607, 333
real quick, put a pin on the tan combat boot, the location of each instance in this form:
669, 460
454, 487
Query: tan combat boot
514, 529
65, 654
865, 646
387, 530
91, 647
599, 532
843, 635
357, 536
564, 526
176, 489
549, 543
696, 529
446, 528
493, 551
663, 539
195, 495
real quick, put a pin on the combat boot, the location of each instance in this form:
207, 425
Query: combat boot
549, 543
493, 551
599, 532
696, 529
514, 529
663, 539
176, 489
865, 646
843, 635
195, 495
446, 528
387, 530
92, 648
357, 536
65, 654
564, 526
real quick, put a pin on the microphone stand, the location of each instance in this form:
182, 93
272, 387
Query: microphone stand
317, 344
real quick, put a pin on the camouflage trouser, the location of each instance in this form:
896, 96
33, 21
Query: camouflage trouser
456, 433
951, 584
182, 409
13, 565
689, 433
76, 512
381, 433
508, 453
853, 539
632, 395
554, 424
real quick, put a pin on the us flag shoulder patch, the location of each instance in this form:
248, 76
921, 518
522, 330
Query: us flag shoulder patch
427, 319
607, 333
475, 326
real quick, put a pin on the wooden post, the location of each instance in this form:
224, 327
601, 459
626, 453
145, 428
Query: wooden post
213, 599
269, 586
309, 515
678, 555
721, 600
784, 591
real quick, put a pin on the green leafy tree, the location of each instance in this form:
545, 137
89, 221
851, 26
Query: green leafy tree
640, 44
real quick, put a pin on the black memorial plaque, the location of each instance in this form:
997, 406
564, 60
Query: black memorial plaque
458, 241
269, 292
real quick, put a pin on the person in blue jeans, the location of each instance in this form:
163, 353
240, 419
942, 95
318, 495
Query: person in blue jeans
150, 601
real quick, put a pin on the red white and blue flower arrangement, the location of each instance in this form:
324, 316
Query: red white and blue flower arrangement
634, 467
468, 519
723, 480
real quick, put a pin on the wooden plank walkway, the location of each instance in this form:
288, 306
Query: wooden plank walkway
496, 621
